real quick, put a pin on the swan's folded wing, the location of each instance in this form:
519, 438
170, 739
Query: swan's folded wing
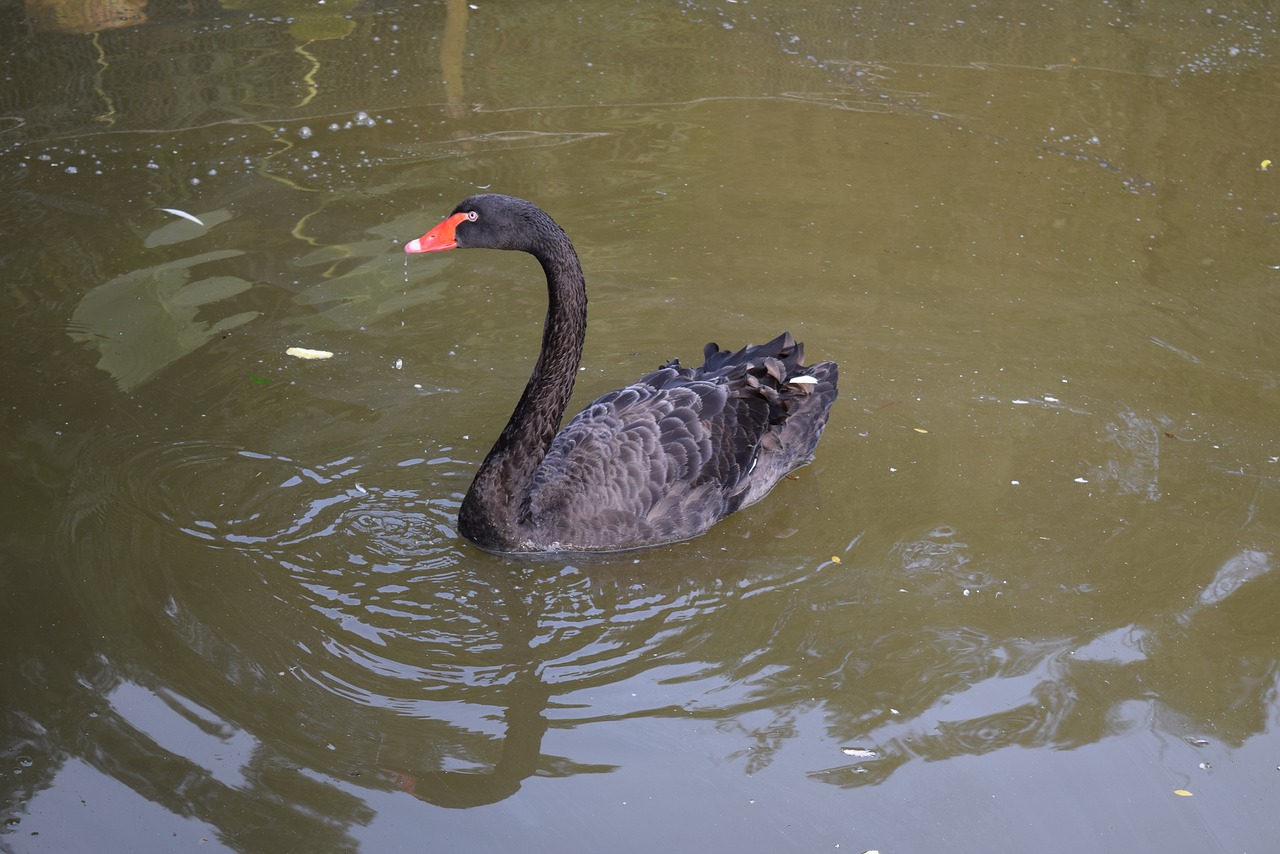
666, 458
649, 460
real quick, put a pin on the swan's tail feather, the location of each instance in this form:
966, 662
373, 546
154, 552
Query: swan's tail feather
799, 396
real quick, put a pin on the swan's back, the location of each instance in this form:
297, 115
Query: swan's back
667, 457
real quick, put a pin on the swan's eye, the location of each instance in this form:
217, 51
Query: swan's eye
472, 216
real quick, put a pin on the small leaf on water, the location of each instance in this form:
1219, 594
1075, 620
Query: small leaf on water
920, 429
835, 558
259, 380
305, 353
1182, 793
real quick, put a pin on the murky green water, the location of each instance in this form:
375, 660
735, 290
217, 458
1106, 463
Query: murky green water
1022, 599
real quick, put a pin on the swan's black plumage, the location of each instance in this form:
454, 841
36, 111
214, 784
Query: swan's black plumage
658, 461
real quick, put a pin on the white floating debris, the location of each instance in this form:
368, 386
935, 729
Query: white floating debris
804, 380
860, 752
304, 353
1081, 480
183, 214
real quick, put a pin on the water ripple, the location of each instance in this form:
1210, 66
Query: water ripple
366, 592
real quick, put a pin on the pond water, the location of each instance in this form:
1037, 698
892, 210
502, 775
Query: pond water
1023, 600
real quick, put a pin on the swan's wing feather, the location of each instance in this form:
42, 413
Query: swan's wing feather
649, 460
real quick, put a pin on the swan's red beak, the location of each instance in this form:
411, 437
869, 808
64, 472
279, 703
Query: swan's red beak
437, 239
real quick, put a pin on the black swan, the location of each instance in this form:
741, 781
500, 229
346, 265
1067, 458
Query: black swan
659, 461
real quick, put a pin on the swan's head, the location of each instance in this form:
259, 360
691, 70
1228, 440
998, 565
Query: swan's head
488, 221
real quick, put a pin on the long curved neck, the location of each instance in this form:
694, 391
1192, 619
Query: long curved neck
489, 514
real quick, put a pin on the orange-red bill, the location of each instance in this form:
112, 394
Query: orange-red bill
437, 239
